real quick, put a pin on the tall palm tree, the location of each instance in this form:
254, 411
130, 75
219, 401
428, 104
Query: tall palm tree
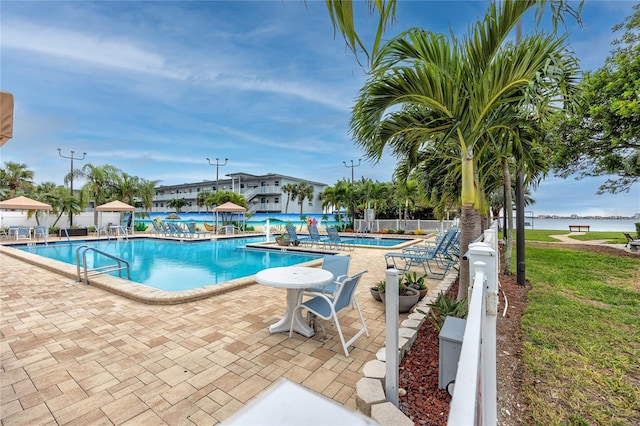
99, 186
457, 94
146, 191
16, 176
303, 191
177, 204
288, 189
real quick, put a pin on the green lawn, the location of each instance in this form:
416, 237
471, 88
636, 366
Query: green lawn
581, 332
544, 235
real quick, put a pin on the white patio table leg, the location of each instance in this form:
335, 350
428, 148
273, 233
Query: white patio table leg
299, 325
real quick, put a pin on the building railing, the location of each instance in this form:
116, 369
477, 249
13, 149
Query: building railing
474, 400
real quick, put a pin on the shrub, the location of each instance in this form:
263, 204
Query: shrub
140, 227
443, 307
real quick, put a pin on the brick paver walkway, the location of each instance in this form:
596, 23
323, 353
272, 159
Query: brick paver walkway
75, 354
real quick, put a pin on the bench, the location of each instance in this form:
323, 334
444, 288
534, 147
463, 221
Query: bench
578, 228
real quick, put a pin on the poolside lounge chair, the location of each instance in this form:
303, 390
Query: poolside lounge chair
23, 233
443, 255
327, 307
41, 231
193, 232
335, 240
293, 235
315, 237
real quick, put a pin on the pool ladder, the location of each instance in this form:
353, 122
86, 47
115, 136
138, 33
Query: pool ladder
81, 255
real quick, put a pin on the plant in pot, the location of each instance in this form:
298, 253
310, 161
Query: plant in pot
414, 281
377, 289
407, 296
283, 240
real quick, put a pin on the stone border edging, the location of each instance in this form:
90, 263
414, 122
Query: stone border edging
370, 395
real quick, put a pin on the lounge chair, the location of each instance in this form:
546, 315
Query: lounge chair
443, 255
41, 231
293, 235
23, 233
315, 237
327, 307
335, 240
193, 232
339, 267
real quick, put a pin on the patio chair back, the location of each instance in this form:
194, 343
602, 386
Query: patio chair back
339, 267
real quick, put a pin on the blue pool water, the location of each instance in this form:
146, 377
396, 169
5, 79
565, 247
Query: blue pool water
376, 242
177, 266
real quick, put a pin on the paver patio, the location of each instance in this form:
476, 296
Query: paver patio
76, 354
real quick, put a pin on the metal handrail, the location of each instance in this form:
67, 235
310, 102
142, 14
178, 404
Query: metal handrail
102, 269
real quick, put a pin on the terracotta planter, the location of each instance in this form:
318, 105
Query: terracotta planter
406, 302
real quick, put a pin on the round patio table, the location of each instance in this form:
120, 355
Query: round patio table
295, 279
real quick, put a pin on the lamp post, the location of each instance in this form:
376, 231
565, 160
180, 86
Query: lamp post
218, 165
71, 157
352, 166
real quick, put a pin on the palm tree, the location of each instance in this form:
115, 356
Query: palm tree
288, 189
16, 176
303, 190
146, 191
177, 204
458, 94
202, 199
99, 185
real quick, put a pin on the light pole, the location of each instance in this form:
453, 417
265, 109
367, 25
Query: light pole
352, 166
71, 157
218, 165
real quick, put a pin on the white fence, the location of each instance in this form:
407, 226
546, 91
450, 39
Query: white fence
474, 400
19, 218
406, 225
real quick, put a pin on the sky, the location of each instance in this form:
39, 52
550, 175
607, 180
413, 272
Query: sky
154, 88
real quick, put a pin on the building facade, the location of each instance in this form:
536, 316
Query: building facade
264, 194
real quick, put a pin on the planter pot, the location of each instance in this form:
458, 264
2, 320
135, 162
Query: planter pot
423, 293
375, 293
406, 302
283, 242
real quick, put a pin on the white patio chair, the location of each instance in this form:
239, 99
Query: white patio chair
327, 307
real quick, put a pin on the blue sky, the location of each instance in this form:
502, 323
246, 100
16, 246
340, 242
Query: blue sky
154, 88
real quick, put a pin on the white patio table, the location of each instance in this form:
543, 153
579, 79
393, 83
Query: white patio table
294, 279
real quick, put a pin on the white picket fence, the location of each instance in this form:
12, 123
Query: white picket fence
474, 400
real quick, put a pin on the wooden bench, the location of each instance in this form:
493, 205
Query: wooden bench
578, 228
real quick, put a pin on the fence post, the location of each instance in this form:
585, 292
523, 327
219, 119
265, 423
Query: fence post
392, 319
486, 253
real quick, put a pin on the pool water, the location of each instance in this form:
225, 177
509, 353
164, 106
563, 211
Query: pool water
376, 242
178, 266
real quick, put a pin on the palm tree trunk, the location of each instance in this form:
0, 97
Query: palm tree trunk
469, 231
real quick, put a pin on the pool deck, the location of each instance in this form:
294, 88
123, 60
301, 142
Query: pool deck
77, 354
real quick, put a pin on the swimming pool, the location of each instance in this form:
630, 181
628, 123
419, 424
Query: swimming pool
376, 241
176, 265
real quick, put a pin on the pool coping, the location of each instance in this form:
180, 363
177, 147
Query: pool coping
135, 291
152, 296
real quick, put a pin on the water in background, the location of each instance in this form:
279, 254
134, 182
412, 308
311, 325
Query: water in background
622, 225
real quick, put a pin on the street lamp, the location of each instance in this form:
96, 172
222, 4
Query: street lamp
71, 157
352, 166
218, 165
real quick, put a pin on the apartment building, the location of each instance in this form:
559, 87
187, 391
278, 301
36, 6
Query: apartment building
263, 193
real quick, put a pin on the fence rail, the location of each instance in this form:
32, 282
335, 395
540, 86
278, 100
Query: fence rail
474, 400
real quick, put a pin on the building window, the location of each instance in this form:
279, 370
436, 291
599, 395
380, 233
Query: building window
277, 183
277, 200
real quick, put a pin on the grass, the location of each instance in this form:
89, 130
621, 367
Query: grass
582, 338
545, 235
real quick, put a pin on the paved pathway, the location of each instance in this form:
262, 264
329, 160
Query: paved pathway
76, 354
